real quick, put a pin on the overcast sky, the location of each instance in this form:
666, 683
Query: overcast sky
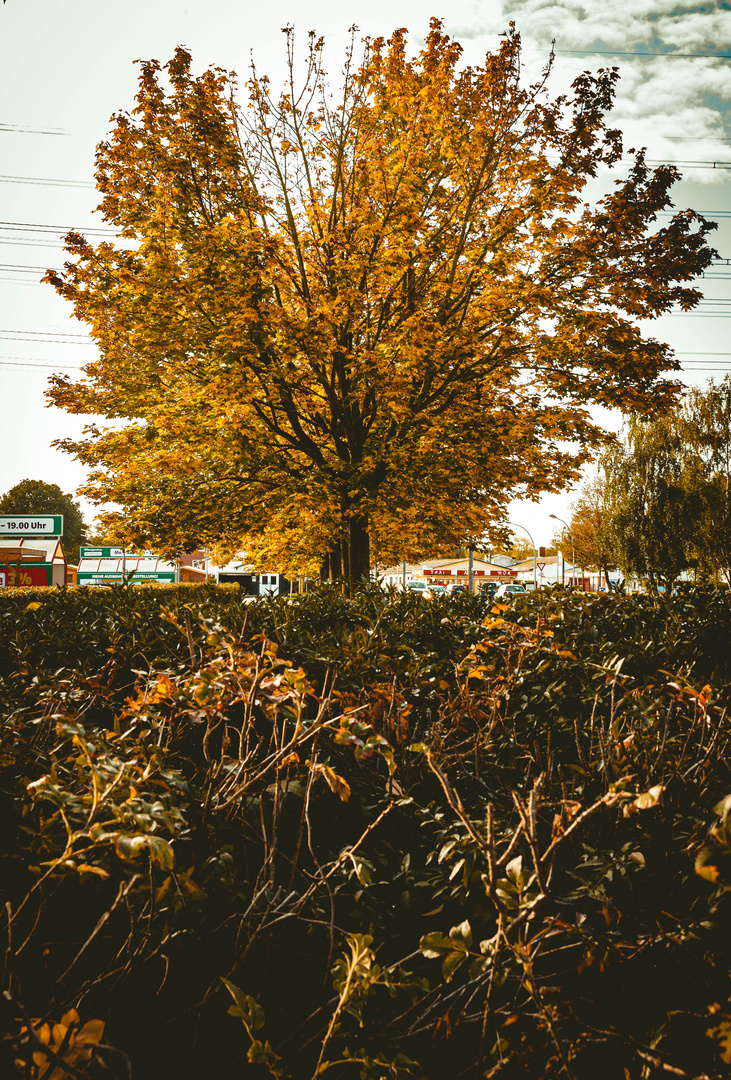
66, 67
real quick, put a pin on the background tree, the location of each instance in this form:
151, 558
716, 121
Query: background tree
37, 497
363, 323
590, 526
653, 512
705, 428
666, 500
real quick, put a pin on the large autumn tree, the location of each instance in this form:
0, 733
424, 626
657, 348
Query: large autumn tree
339, 327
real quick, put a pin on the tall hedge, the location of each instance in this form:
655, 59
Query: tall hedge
383, 837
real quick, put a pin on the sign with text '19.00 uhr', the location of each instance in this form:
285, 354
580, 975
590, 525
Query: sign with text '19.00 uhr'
17, 525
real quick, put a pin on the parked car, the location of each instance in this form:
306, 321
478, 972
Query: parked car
489, 588
424, 589
456, 587
508, 590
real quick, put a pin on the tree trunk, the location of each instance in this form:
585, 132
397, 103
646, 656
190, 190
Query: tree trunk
359, 568
348, 562
336, 562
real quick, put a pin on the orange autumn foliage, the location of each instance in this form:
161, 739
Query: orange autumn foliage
341, 328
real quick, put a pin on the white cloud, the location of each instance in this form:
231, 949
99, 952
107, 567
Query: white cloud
621, 24
667, 103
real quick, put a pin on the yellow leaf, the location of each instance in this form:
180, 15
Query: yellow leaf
334, 782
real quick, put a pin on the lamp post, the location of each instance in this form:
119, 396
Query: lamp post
535, 553
571, 538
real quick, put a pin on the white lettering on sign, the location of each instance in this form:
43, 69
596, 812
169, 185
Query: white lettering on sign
26, 525
31, 525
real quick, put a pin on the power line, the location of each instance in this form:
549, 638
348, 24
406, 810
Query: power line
48, 244
13, 129
44, 333
655, 55
28, 269
694, 138
47, 181
30, 362
87, 184
31, 227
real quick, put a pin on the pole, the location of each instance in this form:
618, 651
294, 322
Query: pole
403, 576
535, 552
571, 538
471, 569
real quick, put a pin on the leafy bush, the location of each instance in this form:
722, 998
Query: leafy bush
383, 837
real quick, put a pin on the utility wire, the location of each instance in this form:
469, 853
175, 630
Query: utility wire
43, 333
31, 227
14, 129
28, 269
51, 182
655, 55
46, 180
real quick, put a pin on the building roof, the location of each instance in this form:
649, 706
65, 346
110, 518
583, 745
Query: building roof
51, 549
527, 564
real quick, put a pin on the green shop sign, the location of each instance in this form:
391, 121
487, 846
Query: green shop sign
33, 525
101, 553
116, 575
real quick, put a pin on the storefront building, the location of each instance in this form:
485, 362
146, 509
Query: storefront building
108, 565
446, 572
32, 561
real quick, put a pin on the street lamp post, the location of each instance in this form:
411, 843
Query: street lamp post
571, 538
535, 553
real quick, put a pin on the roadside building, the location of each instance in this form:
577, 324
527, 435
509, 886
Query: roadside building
107, 565
194, 567
251, 581
34, 560
446, 572
553, 569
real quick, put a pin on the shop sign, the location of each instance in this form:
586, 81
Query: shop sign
440, 572
31, 525
503, 573
102, 553
29, 575
112, 575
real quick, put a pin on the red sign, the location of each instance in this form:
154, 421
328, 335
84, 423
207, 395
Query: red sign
503, 573
441, 572
29, 575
